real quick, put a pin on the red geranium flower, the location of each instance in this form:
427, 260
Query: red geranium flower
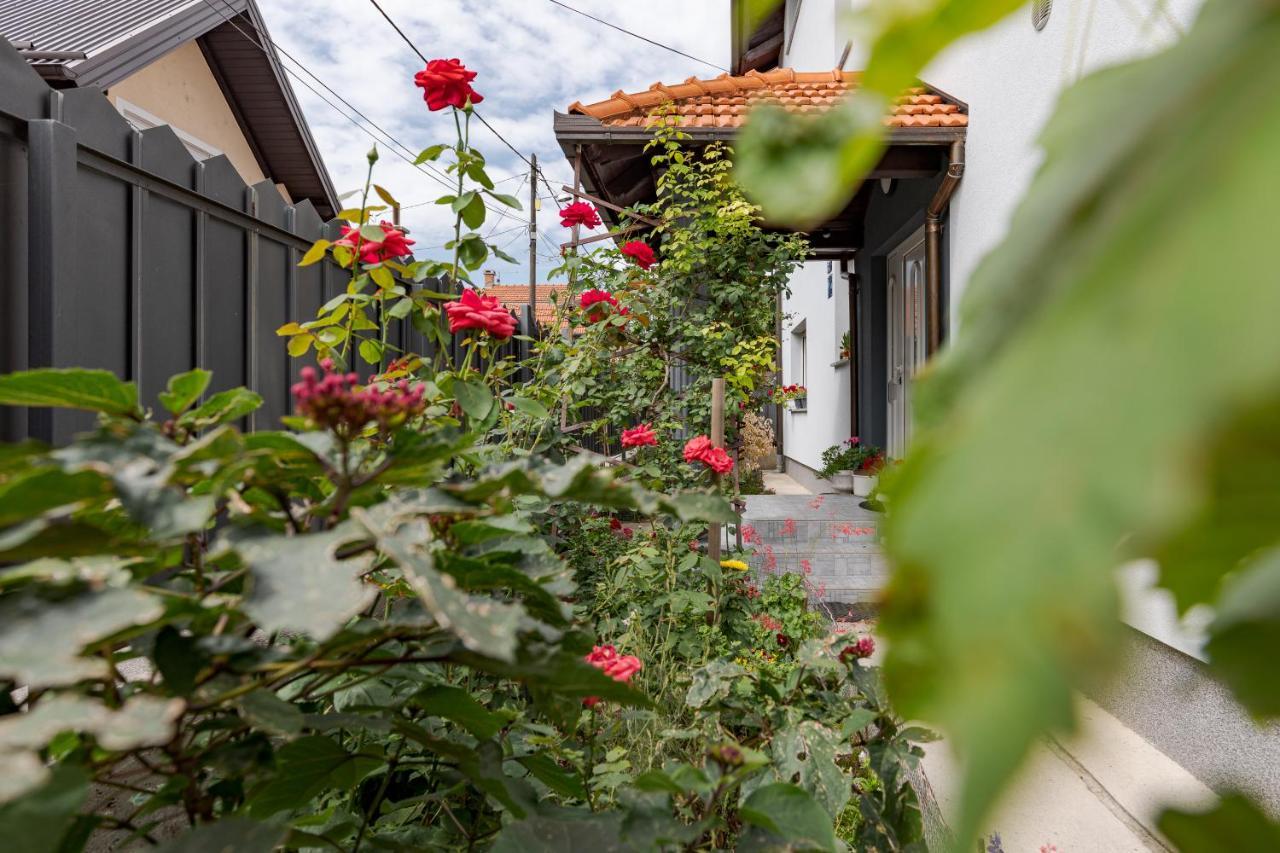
639, 436
447, 83
616, 666
485, 313
394, 244
639, 252
596, 297
580, 213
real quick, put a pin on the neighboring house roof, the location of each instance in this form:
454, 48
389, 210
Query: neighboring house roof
516, 296
723, 102
105, 42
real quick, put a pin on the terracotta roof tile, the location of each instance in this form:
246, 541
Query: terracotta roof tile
516, 296
724, 101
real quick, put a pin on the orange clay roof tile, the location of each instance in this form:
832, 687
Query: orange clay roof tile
515, 296
724, 101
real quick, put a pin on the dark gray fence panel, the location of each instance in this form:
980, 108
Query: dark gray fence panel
126, 254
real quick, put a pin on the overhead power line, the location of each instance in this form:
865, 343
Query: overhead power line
637, 35
392, 141
474, 111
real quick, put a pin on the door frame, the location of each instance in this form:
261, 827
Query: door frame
906, 334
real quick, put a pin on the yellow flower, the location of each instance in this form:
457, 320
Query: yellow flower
737, 565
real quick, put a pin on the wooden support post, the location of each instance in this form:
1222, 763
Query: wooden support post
717, 440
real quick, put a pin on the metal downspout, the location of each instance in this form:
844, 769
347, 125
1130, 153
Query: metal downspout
933, 242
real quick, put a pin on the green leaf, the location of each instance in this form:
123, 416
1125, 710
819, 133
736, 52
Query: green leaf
371, 351
179, 660
382, 277
1235, 824
222, 408
38, 822
372, 234
483, 625
806, 753
95, 390
39, 490
787, 815
543, 768
1077, 375
712, 682
315, 254
463, 201
386, 196
41, 641
475, 398
472, 251
268, 711
184, 389
307, 767
430, 153
529, 407
456, 704
299, 584
1245, 628
508, 200
474, 213
237, 834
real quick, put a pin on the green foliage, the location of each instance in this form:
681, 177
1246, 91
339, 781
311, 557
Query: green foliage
1234, 824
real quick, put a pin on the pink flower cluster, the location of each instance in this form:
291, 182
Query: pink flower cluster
700, 449
616, 666
750, 535
850, 530
335, 403
639, 436
864, 648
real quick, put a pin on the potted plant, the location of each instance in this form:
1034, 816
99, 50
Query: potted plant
846, 346
841, 461
867, 472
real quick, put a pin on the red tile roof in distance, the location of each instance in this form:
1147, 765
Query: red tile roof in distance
724, 101
516, 296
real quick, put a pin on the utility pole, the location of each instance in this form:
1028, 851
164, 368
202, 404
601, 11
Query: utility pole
533, 236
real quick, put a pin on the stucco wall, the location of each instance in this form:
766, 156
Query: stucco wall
180, 88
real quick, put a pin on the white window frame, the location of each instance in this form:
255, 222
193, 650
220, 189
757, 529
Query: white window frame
799, 362
144, 120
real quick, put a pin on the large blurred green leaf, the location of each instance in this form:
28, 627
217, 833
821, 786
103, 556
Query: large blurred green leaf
229, 834
786, 818
41, 641
1235, 824
1120, 323
95, 390
184, 389
806, 753
307, 767
299, 584
1245, 634
38, 822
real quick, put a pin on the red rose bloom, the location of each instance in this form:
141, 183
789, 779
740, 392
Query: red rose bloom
580, 213
394, 244
639, 436
485, 313
639, 252
718, 460
593, 302
447, 83
696, 448
616, 666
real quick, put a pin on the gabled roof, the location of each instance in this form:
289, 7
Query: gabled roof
105, 41
723, 102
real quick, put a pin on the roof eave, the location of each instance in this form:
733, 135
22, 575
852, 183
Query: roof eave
571, 130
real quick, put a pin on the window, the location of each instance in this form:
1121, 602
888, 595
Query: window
143, 120
799, 361
1040, 10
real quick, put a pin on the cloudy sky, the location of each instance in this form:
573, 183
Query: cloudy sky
533, 57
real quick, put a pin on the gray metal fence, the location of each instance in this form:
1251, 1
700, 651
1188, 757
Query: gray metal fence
122, 252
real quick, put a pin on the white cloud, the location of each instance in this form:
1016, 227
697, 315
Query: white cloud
533, 58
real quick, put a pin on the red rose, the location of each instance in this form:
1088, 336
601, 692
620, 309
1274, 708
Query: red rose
718, 460
592, 301
447, 83
696, 448
639, 436
580, 213
486, 313
394, 244
639, 252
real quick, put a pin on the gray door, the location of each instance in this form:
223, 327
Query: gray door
907, 335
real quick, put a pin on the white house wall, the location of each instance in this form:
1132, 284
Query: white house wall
826, 422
